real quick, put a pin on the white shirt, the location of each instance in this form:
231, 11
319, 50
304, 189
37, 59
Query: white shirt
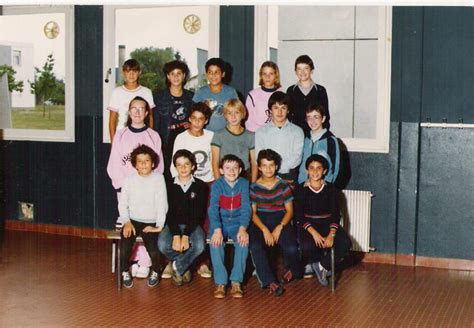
121, 98
201, 148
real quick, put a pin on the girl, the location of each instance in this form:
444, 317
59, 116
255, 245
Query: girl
119, 166
257, 99
122, 95
172, 106
272, 211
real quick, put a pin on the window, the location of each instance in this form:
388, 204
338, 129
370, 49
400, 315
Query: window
37, 48
165, 30
351, 48
16, 58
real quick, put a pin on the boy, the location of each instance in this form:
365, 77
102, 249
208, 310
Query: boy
305, 92
215, 93
234, 139
182, 239
229, 216
122, 95
320, 141
281, 136
272, 211
172, 106
142, 208
317, 215
197, 140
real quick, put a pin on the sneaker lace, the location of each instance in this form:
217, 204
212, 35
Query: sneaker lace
273, 287
126, 275
288, 276
154, 275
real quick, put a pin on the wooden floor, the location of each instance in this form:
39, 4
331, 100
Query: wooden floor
49, 280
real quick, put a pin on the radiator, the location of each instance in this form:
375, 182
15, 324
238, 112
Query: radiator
355, 210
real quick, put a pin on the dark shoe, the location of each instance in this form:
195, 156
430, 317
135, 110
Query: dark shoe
308, 271
320, 274
153, 279
287, 278
276, 289
187, 277
127, 280
177, 279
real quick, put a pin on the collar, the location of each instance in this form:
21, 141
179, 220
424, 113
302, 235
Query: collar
179, 183
268, 90
135, 130
283, 126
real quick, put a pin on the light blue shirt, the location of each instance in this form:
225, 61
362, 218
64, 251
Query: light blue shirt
286, 141
216, 103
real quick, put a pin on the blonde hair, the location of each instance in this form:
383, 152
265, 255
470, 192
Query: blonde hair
234, 104
275, 68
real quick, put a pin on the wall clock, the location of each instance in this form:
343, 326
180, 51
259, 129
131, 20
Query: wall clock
51, 30
192, 24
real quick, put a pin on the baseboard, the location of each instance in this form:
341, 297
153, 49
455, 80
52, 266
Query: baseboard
419, 261
55, 229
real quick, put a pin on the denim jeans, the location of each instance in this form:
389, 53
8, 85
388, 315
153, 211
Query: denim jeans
185, 259
313, 253
221, 276
286, 241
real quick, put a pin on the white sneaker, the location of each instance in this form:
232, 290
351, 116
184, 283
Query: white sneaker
168, 271
205, 272
143, 272
134, 269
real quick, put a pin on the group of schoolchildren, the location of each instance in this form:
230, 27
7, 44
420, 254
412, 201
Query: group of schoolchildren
185, 168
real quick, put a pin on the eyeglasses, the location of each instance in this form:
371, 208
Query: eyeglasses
137, 109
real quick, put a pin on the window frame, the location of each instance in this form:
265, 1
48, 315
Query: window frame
380, 144
109, 51
68, 134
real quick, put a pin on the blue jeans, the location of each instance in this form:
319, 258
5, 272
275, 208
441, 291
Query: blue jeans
185, 259
286, 241
217, 257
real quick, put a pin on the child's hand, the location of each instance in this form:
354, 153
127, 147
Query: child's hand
318, 239
176, 245
184, 243
128, 229
329, 241
268, 236
243, 237
152, 229
217, 238
276, 232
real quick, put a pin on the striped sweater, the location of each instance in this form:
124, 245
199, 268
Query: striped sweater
270, 200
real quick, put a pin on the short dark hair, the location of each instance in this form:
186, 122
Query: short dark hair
317, 158
147, 109
216, 61
269, 155
187, 154
131, 64
279, 97
231, 158
144, 149
176, 64
202, 108
304, 59
316, 107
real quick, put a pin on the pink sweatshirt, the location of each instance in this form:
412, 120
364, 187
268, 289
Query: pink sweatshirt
125, 141
257, 104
